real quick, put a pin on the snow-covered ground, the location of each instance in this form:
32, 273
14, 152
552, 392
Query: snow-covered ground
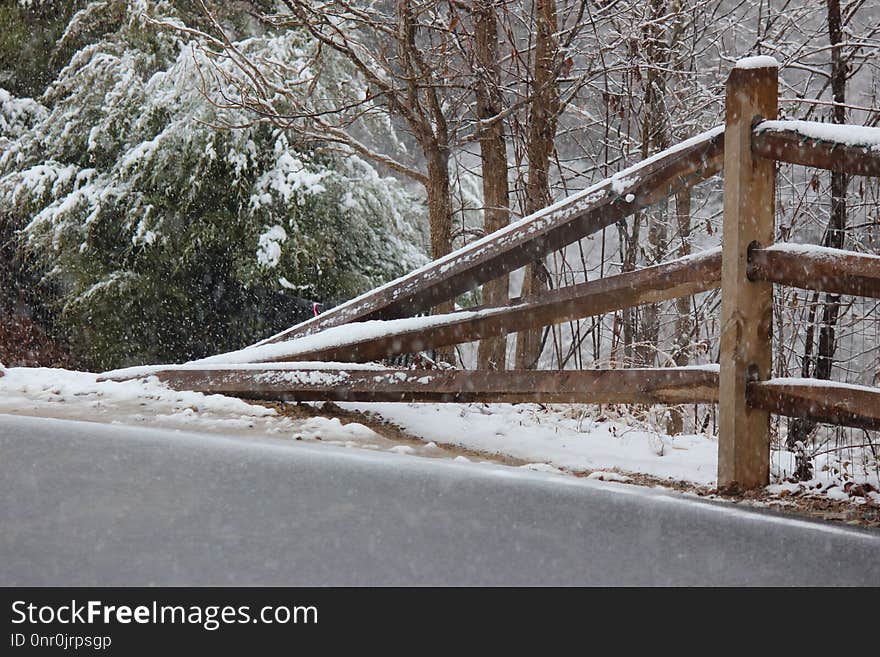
558, 436
78, 395
568, 437
554, 438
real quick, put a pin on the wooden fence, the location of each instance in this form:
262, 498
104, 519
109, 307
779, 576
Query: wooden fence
381, 323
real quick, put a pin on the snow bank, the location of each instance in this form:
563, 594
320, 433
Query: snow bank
555, 438
562, 437
79, 395
41, 382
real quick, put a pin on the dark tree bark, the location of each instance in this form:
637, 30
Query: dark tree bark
439, 200
543, 120
437, 187
492, 352
655, 137
835, 234
683, 322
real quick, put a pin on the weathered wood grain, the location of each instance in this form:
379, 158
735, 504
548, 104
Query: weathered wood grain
817, 268
530, 238
682, 277
746, 306
634, 386
833, 403
789, 146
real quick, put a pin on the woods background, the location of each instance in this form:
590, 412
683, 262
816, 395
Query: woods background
180, 178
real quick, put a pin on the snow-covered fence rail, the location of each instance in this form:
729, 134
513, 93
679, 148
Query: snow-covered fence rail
817, 268
379, 323
846, 148
633, 386
530, 238
825, 401
375, 340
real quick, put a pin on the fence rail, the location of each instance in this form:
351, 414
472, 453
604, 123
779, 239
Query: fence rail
531, 238
830, 402
609, 386
792, 142
385, 338
817, 268
748, 147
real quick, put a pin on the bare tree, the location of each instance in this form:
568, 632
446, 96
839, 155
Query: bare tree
543, 120
655, 137
401, 51
492, 352
835, 233
398, 52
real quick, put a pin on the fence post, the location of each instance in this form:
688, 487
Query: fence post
746, 306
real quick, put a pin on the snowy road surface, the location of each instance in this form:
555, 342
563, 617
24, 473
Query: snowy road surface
93, 504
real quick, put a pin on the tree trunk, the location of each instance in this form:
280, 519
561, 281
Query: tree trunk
439, 201
835, 235
655, 137
440, 220
492, 352
683, 323
629, 249
543, 119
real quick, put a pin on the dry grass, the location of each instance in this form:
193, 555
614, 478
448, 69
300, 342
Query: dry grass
24, 343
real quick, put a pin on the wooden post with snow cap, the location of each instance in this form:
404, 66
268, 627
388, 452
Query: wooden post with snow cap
746, 306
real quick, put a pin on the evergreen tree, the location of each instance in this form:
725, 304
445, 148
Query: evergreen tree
159, 232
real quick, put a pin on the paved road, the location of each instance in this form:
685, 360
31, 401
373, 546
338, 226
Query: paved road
91, 504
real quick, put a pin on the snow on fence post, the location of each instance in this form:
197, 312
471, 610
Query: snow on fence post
746, 306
